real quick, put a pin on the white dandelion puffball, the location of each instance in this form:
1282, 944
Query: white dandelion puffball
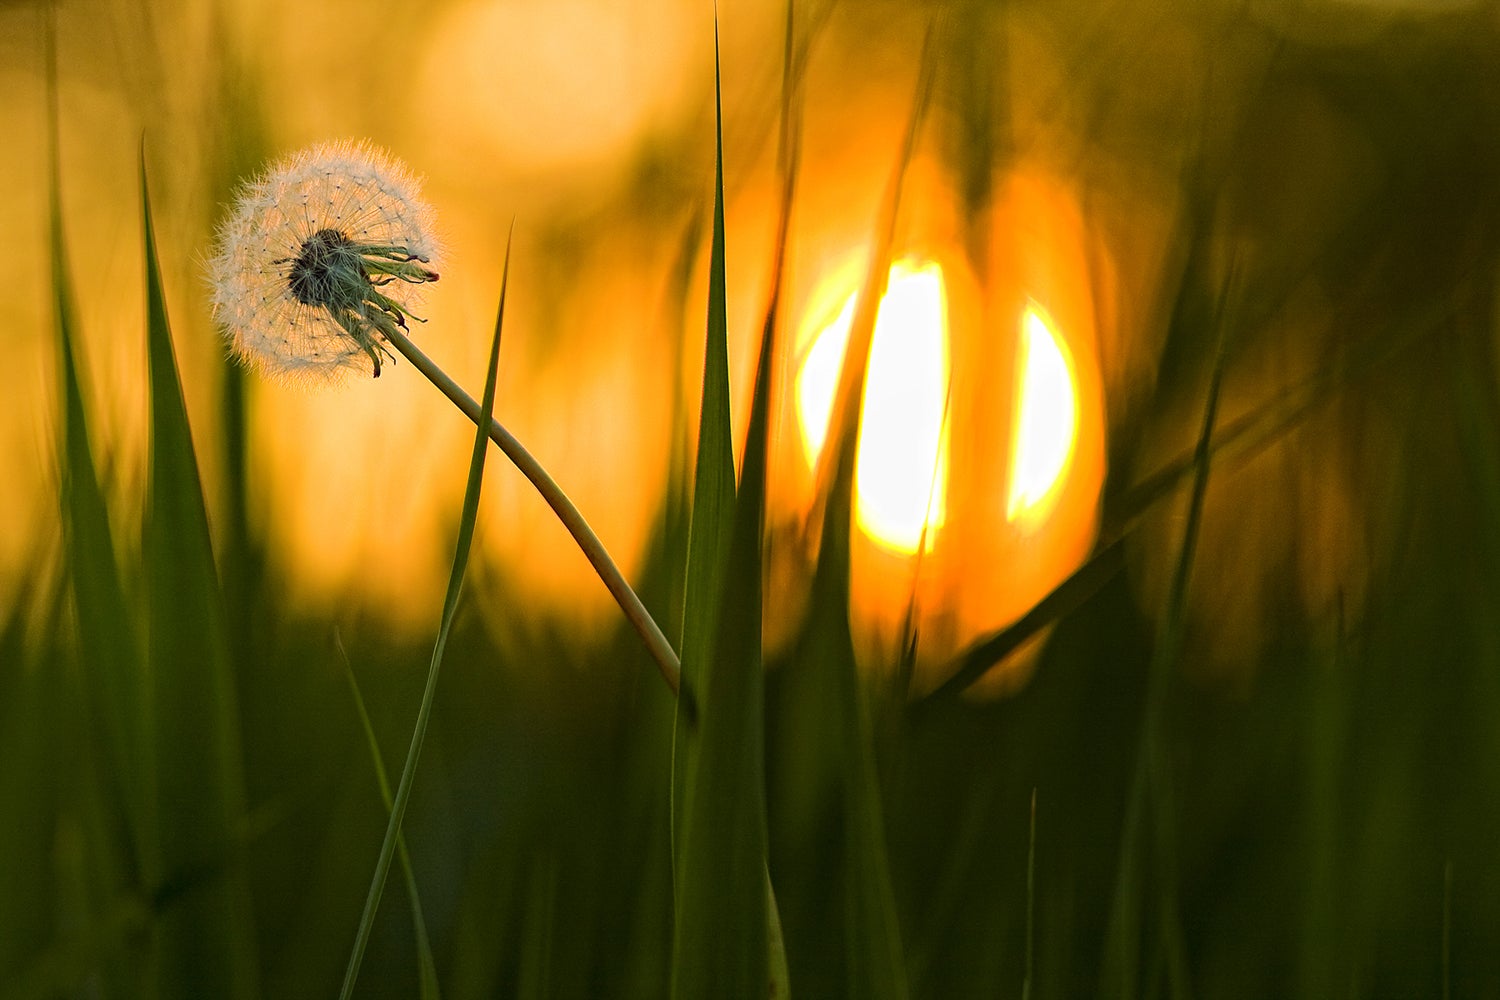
318, 262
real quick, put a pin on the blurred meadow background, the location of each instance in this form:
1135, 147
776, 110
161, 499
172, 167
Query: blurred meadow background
1162, 655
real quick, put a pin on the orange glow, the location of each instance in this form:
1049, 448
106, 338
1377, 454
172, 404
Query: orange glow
565, 87
1046, 418
981, 447
901, 467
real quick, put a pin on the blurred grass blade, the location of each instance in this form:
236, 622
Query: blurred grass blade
450, 607
207, 934
1149, 802
721, 932
874, 961
1080, 585
835, 475
107, 644
1325, 734
427, 968
534, 977
753, 486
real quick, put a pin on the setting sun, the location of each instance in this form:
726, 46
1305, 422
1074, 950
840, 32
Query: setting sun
1046, 421
902, 458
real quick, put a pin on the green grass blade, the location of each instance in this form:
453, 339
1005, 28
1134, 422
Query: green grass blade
1149, 803
753, 486
836, 464
427, 968
450, 607
534, 977
874, 961
1325, 736
28, 711
207, 934
107, 644
710, 526
721, 934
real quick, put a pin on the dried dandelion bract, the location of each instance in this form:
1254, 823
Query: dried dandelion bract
319, 259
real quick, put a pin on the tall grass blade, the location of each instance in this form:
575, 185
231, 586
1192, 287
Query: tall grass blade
1149, 803
534, 977
1326, 734
108, 654
450, 607
874, 958
28, 828
426, 967
206, 932
753, 486
711, 519
721, 935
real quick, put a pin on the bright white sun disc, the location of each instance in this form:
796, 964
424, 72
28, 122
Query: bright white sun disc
901, 467
1046, 422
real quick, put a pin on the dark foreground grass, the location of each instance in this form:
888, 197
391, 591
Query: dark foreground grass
193, 815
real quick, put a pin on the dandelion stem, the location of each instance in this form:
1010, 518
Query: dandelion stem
572, 519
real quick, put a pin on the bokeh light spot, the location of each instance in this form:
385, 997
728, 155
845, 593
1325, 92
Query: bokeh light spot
901, 468
1046, 421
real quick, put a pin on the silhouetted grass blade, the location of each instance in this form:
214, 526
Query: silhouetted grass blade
108, 654
1149, 805
874, 956
710, 525
206, 931
720, 936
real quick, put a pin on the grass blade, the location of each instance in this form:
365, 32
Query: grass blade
207, 934
107, 642
874, 961
533, 978
1149, 803
107, 686
710, 526
427, 968
721, 934
450, 607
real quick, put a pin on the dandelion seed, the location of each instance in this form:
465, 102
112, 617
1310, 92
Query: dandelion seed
296, 294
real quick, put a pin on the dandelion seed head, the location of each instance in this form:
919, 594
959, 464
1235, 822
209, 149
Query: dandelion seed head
318, 258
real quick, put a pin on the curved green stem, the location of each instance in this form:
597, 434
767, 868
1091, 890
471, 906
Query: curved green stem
572, 519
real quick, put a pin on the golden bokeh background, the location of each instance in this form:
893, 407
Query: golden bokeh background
1029, 296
